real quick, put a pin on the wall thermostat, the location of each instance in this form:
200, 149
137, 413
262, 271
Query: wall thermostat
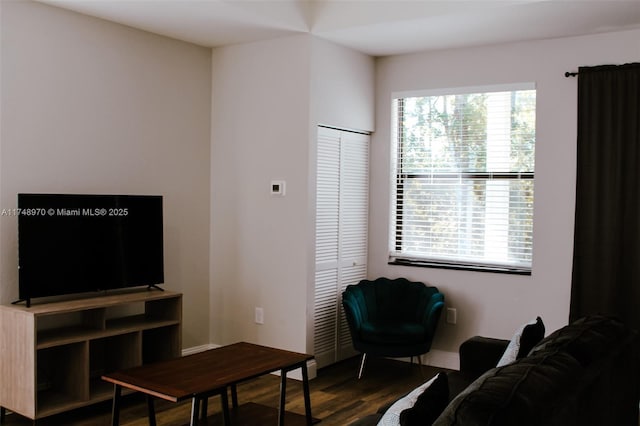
278, 187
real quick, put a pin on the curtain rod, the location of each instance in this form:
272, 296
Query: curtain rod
632, 65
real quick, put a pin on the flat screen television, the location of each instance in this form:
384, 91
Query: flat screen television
76, 243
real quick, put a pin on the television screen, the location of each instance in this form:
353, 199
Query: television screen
70, 243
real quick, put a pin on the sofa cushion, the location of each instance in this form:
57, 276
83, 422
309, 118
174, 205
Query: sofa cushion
524, 339
586, 339
392, 415
526, 392
429, 405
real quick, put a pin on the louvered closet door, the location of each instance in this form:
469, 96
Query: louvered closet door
341, 235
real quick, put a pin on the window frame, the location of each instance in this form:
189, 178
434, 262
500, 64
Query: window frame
395, 255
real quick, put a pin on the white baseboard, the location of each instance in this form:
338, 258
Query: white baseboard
195, 349
434, 358
442, 359
312, 371
439, 359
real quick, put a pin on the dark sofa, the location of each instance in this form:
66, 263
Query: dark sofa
586, 373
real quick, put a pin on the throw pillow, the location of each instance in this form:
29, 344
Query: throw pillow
391, 417
525, 338
429, 405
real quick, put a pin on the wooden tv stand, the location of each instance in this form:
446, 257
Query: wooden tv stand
52, 355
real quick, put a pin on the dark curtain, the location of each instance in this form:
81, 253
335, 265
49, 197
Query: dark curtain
606, 262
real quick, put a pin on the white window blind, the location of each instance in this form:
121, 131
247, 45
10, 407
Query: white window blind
463, 179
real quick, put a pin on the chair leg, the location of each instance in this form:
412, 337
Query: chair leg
421, 363
364, 357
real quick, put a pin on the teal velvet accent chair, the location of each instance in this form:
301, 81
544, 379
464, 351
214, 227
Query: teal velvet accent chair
392, 317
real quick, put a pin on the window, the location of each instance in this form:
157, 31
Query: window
463, 179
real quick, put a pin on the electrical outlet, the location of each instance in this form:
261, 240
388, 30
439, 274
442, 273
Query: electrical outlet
452, 315
259, 316
278, 187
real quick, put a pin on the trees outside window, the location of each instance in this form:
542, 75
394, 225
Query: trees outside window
464, 174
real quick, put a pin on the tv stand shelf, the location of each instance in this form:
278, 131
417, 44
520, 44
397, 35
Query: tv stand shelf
53, 354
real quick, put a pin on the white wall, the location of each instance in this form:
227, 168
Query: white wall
90, 106
342, 87
343, 96
260, 121
268, 98
496, 304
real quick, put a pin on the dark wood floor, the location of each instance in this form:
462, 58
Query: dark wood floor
337, 397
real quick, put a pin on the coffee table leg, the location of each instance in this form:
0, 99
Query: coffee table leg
224, 400
115, 410
234, 396
307, 396
283, 393
204, 408
195, 408
152, 410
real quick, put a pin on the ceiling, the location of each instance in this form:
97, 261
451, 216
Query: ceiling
375, 27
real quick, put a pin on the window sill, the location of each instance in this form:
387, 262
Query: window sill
460, 266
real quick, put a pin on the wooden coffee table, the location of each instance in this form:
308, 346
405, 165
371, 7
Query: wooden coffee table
209, 373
